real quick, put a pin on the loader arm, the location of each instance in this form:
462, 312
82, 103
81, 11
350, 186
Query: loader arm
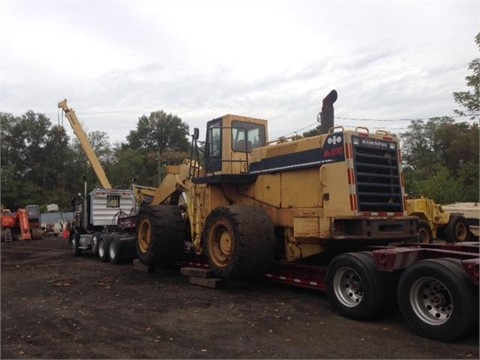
173, 181
85, 143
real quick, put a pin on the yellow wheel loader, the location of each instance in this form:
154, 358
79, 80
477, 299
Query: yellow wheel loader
436, 223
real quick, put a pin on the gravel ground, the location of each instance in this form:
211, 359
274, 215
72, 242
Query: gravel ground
54, 305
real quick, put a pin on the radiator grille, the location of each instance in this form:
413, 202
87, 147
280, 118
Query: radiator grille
377, 172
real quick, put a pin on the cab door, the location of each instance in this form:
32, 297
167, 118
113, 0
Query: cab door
213, 147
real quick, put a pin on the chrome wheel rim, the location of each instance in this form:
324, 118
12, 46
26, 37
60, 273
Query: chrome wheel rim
348, 287
431, 301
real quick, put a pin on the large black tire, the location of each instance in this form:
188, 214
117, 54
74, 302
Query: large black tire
95, 240
425, 235
239, 241
74, 243
115, 250
160, 235
457, 229
438, 300
355, 287
103, 246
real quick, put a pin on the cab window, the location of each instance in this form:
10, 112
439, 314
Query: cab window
247, 136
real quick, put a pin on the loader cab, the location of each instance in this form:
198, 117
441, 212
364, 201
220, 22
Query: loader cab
229, 143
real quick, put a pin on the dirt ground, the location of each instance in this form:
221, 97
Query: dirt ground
54, 305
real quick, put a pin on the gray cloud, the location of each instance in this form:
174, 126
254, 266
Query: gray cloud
274, 61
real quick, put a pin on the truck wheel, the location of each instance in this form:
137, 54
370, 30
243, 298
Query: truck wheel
74, 242
160, 235
103, 246
457, 229
425, 235
239, 241
114, 250
95, 239
355, 286
438, 300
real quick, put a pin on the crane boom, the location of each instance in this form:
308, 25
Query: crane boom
87, 147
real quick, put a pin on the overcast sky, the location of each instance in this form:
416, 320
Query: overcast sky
115, 61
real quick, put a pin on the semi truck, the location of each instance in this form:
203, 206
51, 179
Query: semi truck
100, 225
326, 212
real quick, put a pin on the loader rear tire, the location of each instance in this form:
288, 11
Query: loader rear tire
355, 287
160, 235
457, 229
438, 300
239, 241
425, 235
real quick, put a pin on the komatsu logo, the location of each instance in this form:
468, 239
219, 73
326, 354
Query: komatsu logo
334, 140
375, 143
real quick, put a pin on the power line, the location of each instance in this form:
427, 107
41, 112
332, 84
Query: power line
382, 120
405, 119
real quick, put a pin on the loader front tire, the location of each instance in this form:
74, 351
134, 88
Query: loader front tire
457, 229
160, 235
425, 235
239, 241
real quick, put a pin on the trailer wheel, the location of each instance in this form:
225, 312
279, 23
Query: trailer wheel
103, 246
114, 250
438, 300
457, 229
95, 239
355, 286
239, 241
425, 235
74, 243
160, 235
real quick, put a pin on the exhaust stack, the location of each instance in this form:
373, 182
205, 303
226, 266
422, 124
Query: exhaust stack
326, 116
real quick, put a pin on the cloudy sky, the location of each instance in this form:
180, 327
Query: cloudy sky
118, 60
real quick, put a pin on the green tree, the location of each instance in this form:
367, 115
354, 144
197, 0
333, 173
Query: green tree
104, 152
441, 160
421, 144
127, 166
33, 158
162, 139
159, 132
470, 100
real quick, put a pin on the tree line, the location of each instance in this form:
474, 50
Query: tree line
40, 164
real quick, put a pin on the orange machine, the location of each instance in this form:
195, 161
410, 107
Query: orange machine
17, 222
